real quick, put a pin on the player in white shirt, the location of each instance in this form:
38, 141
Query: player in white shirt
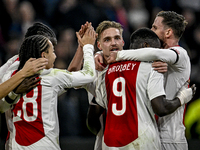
37, 28
96, 114
127, 90
169, 26
34, 124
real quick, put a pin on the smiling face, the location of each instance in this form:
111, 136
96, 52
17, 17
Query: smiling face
110, 40
50, 55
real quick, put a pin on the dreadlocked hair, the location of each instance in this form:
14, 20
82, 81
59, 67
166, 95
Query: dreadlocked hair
39, 28
32, 47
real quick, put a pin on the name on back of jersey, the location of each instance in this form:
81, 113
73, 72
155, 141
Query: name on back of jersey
121, 67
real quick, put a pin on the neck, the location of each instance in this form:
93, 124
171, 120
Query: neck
170, 43
104, 61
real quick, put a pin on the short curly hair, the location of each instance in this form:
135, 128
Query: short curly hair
175, 21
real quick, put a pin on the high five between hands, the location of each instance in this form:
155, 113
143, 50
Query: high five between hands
86, 34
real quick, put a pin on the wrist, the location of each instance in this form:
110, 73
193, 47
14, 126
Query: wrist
22, 73
181, 101
11, 97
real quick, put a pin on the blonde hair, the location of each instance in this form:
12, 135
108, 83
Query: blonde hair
108, 24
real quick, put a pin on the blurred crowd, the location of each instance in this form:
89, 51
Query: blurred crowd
65, 17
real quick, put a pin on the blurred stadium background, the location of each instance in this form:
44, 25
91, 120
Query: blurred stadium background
65, 17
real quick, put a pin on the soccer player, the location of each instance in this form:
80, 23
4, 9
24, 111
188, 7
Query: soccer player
169, 26
37, 28
127, 90
95, 111
35, 122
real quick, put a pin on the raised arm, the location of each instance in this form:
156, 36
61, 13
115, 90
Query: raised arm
88, 73
77, 60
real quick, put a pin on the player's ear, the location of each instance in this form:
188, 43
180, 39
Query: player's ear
123, 43
43, 55
99, 45
169, 32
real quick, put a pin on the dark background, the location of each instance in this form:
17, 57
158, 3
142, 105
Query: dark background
65, 17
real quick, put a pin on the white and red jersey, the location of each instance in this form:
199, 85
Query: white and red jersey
126, 90
171, 127
5, 67
33, 121
4, 106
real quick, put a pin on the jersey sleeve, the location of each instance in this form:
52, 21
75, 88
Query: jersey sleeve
64, 79
155, 85
101, 94
4, 105
5, 67
88, 73
148, 54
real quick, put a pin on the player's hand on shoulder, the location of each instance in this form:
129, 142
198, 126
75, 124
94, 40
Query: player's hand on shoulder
28, 84
160, 66
33, 65
98, 59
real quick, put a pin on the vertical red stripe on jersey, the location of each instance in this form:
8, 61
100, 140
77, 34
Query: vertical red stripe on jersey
122, 118
28, 118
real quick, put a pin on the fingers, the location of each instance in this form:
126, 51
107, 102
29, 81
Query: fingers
79, 39
98, 61
98, 58
99, 67
161, 69
31, 59
84, 28
39, 64
193, 87
33, 82
160, 66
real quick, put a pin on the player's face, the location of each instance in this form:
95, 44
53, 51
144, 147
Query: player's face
111, 40
51, 56
159, 28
